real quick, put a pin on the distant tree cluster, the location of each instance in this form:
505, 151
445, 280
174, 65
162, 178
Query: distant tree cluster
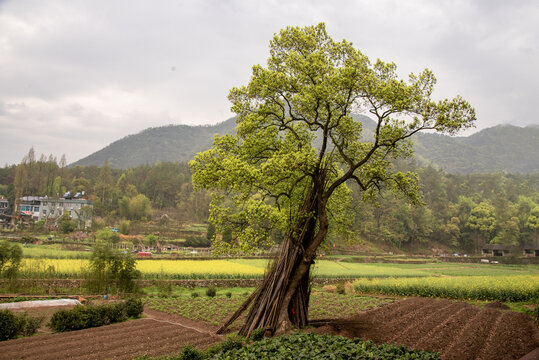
129, 194
460, 211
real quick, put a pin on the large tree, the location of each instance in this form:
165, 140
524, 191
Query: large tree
297, 147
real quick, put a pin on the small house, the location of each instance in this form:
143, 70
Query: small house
495, 250
531, 250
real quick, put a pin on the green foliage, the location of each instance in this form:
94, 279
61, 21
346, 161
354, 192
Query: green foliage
150, 239
231, 343
111, 269
135, 208
257, 334
9, 326
493, 288
125, 227
194, 294
196, 241
12, 325
108, 236
313, 346
82, 317
66, 224
10, 259
210, 233
134, 307
211, 291
190, 353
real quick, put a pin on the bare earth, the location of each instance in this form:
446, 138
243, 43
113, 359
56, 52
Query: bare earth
457, 330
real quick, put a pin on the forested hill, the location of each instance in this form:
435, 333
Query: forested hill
505, 148
172, 143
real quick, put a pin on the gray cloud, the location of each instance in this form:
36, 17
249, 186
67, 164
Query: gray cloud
75, 76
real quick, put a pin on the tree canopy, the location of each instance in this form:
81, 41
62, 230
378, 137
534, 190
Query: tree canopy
295, 128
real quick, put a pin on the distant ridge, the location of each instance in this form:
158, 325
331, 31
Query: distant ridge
172, 143
502, 148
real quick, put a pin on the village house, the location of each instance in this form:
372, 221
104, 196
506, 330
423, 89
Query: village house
495, 250
531, 250
45, 208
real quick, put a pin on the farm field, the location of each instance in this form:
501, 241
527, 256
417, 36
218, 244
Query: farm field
254, 268
455, 329
213, 311
512, 288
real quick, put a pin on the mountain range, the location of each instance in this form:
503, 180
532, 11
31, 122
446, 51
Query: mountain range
504, 148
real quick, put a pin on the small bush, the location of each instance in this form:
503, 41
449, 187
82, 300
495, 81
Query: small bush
134, 307
211, 291
340, 288
12, 325
29, 325
257, 334
9, 326
232, 342
194, 294
82, 317
190, 353
229, 294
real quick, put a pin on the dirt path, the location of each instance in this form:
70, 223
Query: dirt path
457, 330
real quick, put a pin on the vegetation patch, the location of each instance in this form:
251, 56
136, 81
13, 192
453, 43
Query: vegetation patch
302, 346
13, 325
82, 317
215, 310
518, 288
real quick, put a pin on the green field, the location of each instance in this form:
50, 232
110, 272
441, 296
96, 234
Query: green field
513, 288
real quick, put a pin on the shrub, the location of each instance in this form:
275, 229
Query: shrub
66, 224
229, 294
190, 353
211, 291
340, 288
9, 326
194, 294
82, 317
125, 226
10, 259
134, 307
111, 269
232, 342
29, 325
257, 334
197, 241
12, 325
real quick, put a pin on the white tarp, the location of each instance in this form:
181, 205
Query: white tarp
39, 303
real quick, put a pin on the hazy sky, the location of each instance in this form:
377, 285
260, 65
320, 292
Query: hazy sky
78, 75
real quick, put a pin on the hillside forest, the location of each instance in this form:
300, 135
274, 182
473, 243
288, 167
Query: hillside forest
460, 212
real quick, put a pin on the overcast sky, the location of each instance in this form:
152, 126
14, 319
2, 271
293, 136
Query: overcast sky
78, 75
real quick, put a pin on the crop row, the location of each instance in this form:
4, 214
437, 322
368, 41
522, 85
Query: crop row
207, 269
500, 288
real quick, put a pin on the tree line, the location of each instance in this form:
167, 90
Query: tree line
460, 211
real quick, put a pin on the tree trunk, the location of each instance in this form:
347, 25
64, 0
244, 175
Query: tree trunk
281, 302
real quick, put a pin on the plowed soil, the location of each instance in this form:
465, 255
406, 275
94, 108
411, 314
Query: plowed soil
457, 330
